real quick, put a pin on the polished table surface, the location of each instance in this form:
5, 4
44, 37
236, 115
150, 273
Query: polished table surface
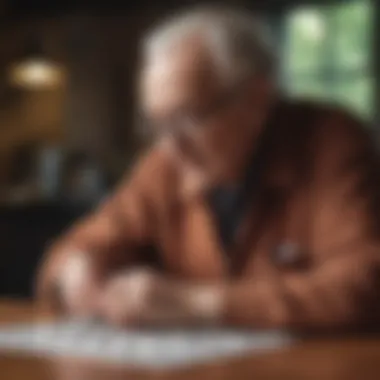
326, 359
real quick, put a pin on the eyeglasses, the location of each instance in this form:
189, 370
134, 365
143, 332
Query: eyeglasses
185, 120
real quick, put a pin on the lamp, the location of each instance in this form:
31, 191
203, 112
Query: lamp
35, 70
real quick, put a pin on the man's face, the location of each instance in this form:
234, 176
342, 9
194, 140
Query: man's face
184, 101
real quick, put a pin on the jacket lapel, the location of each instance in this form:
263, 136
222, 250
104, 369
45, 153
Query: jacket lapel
264, 215
202, 251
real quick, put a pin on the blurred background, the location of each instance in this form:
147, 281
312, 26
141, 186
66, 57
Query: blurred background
67, 76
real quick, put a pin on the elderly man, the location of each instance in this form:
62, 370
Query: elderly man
248, 209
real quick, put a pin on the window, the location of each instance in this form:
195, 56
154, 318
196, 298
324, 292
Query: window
327, 54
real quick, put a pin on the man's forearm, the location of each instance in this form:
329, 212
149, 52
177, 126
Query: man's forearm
228, 303
291, 302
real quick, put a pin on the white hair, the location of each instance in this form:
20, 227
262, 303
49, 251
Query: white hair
237, 40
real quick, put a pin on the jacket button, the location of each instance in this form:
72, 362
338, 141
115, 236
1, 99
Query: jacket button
287, 254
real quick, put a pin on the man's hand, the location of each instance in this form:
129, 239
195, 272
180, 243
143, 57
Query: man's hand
69, 284
142, 297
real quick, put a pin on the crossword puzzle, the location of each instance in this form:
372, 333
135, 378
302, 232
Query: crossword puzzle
153, 348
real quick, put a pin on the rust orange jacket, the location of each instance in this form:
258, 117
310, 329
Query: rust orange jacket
307, 254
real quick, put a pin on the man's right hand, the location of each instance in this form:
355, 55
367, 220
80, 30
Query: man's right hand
69, 284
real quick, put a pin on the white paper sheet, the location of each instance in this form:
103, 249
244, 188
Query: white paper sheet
142, 348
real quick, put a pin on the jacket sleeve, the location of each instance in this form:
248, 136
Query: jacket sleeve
341, 288
110, 236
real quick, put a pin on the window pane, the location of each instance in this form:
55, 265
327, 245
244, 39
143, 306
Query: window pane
356, 95
310, 88
328, 54
306, 32
352, 37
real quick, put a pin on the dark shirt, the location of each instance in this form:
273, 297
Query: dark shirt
229, 204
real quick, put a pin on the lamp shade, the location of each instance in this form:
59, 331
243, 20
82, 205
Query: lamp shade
35, 70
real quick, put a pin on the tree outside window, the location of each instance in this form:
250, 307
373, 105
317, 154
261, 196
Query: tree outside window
328, 54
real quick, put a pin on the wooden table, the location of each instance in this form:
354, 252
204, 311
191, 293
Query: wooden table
347, 359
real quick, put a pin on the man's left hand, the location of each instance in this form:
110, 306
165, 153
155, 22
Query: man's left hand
142, 297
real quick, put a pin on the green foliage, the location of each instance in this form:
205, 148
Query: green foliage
328, 54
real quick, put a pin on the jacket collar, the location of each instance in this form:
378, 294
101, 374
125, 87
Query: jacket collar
274, 176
